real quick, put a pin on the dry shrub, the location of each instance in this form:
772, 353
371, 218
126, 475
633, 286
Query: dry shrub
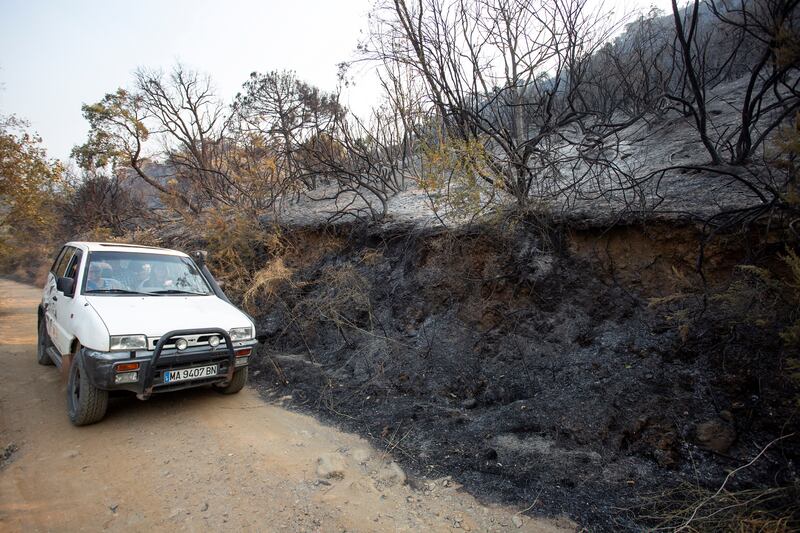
372, 257
29, 263
450, 174
342, 297
754, 298
95, 234
267, 283
142, 237
791, 335
238, 247
692, 508
310, 246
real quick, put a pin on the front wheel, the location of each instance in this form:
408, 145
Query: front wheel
42, 344
235, 384
86, 404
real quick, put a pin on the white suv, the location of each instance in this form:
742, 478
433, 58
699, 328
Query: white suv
134, 318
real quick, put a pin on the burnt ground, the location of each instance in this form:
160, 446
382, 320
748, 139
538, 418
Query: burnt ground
525, 372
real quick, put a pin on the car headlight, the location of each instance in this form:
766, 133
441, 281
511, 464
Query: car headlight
127, 342
241, 334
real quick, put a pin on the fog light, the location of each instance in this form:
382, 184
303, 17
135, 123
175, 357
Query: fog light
241, 361
213, 342
181, 344
126, 377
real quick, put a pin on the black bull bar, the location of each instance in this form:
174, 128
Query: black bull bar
150, 376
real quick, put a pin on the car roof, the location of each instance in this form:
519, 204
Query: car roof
122, 247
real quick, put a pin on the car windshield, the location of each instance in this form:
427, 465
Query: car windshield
130, 273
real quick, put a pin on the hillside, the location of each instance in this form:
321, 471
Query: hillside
532, 370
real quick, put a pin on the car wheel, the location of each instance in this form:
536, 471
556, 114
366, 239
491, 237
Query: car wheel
234, 385
86, 404
42, 344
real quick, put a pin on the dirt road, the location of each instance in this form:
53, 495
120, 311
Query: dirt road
198, 461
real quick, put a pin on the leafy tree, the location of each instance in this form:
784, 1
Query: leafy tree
29, 180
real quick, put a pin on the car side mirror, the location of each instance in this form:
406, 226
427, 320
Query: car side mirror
66, 286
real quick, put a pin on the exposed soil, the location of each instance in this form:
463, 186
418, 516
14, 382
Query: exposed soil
526, 367
198, 461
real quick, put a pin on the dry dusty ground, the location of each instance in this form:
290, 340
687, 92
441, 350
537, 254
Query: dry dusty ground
197, 461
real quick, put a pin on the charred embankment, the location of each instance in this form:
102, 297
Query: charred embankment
582, 372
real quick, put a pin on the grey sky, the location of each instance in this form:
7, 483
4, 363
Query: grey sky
54, 56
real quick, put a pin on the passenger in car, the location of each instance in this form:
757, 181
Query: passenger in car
156, 277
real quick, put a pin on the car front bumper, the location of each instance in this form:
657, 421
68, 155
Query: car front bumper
102, 367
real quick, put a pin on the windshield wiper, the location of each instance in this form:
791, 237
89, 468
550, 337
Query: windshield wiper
115, 291
178, 291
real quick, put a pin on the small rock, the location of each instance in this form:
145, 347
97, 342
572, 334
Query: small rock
715, 435
727, 416
69, 454
113, 507
517, 521
204, 508
469, 403
331, 466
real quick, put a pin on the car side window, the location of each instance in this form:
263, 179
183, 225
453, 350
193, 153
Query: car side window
64, 262
72, 268
59, 257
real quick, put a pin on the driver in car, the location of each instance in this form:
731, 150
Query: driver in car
95, 280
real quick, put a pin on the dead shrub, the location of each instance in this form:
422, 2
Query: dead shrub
238, 247
692, 508
267, 283
341, 296
310, 246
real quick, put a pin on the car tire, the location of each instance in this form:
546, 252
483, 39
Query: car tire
86, 404
235, 384
42, 344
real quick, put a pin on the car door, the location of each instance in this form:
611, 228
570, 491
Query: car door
50, 297
63, 304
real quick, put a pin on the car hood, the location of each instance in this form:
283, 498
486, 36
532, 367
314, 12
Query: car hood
156, 315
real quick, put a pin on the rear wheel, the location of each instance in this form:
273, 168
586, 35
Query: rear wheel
42, 344
235, 384
86, 404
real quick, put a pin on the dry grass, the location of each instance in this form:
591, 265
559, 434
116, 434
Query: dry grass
266, 283
692, 508
238, 247
345, 296
341, 296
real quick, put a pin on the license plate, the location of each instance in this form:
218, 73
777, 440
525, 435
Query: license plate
185, 374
